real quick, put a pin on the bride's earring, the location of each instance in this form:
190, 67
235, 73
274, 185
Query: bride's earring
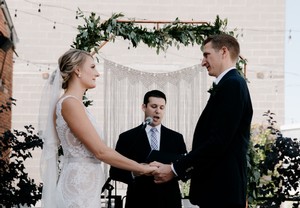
79, 75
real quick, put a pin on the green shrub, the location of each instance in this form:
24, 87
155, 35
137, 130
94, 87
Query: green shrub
273, 167
16, 187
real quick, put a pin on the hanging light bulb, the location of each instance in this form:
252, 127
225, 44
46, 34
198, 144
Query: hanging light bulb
242, 34
39, 10
290, 36
54, 27
16, 13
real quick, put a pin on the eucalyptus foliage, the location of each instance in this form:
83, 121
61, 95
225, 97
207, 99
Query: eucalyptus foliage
95, 32
177, 33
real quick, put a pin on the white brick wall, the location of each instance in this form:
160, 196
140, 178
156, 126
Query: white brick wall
260, 24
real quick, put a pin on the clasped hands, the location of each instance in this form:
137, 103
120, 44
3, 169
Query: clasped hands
161, 172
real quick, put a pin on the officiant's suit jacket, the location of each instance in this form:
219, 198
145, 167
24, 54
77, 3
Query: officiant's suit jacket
217, 162
141, 190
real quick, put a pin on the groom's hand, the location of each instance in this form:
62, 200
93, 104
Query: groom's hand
163, 173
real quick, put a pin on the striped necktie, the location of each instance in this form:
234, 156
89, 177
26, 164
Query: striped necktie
153, 139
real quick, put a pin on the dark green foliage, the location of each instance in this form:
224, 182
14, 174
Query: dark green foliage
86, 101
93, 33
16, 187
273, 167
7, 105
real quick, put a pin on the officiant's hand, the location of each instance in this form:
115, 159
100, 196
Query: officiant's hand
163, 173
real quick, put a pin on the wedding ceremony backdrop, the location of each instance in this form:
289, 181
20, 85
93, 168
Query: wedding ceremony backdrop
46, 29
186, 91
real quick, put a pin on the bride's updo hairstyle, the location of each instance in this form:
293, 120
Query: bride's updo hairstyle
69, 61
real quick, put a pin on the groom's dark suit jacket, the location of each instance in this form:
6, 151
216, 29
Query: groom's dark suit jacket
142, 191
217, 162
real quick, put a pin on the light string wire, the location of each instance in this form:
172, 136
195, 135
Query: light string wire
40, 7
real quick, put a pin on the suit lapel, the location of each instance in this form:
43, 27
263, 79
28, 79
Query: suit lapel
164, 145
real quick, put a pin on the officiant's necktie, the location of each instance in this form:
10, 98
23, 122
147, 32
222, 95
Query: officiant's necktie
153, 139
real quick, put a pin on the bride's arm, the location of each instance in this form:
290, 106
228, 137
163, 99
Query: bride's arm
74, 114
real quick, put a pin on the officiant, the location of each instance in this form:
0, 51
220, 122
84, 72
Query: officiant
150, 141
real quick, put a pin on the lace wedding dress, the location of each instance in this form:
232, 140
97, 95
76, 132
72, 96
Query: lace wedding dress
82, 177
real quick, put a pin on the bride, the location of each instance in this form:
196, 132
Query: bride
79, 181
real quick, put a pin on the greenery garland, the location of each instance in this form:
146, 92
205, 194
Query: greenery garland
93, 32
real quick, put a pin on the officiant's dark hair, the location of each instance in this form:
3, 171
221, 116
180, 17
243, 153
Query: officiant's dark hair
154, 93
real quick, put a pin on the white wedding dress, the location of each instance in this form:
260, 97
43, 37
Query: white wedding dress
81, 177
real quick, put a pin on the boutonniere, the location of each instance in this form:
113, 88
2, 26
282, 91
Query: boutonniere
213, 89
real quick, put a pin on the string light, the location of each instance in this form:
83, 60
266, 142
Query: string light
289, 31
85, 11
76, 17
290, 36
241, 35
39, 10
105, 15
45, 18
61, 7
37, 65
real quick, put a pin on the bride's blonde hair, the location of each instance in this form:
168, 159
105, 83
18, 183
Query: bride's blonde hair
68, 61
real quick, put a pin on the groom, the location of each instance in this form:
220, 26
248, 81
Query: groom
217, 162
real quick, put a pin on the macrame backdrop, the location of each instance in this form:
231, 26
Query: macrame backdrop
185, 89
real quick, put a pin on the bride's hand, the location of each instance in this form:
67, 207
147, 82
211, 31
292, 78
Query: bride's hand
147, 170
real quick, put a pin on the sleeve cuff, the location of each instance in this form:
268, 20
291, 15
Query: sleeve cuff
172, 167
